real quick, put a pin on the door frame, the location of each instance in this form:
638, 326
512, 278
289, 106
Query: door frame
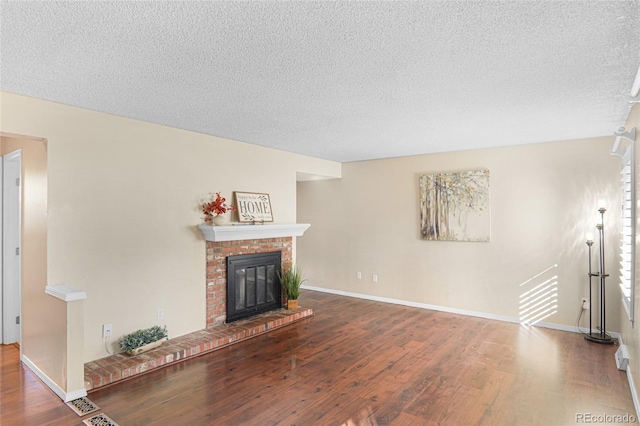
12, 247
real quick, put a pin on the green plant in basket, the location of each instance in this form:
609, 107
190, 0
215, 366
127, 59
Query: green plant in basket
139, 338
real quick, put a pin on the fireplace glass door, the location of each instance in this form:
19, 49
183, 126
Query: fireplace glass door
253, 285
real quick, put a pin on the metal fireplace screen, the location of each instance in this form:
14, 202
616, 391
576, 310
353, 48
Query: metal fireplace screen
253, 285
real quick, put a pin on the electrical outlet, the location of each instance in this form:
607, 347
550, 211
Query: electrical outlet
106, 330
375, 278
160, 313
359, 275
585, 304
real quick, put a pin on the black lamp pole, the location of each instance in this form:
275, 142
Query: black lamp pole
601, 337
590, 274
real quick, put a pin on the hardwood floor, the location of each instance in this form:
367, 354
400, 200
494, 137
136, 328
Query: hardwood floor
359, 362
24, 399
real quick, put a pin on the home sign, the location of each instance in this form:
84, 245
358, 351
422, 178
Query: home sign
253, 207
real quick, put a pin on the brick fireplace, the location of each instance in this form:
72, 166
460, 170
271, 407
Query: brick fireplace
217, 253
221, 241
224, 241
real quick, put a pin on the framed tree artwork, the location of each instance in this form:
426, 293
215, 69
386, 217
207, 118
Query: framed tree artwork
454, 206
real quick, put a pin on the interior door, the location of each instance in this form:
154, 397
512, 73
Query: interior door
11, 247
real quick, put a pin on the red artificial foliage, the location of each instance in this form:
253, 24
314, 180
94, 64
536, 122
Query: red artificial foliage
216, 206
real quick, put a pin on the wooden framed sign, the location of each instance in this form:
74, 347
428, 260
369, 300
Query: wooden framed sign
253, 207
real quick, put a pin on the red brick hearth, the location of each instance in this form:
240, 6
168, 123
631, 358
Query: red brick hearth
112, 369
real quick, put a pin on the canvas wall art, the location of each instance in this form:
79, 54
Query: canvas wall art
454, 206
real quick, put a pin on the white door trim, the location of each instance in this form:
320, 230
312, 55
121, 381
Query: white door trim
11, 247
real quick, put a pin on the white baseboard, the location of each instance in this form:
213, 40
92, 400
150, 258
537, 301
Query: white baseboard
504, 318
65, 396
75, 394
632, 386
573, 329
634, 394
412, 304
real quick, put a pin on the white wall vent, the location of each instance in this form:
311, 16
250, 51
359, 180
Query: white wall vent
622, 358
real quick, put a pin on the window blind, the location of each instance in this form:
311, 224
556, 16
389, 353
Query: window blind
627, 233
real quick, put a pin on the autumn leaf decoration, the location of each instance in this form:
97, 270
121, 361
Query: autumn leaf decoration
216, 206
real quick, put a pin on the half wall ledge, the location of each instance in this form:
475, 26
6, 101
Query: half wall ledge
65, 292
238, 232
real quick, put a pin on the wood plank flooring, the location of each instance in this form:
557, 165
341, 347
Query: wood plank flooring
359, 362
24, 399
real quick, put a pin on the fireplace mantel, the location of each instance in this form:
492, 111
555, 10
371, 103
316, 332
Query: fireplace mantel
252, 232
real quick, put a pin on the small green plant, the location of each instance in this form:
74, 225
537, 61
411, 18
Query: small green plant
133, 341
291, 280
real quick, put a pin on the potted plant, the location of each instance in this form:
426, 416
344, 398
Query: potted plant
291, 280
215, 209
143, 340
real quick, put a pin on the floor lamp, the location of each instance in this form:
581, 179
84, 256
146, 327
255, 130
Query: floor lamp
601, 335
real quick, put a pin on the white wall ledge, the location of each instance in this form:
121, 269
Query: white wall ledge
252, 232
65, 292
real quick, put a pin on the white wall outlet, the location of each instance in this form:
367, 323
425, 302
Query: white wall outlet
585, 303
160, 313
359, 275
106, 330
375, 278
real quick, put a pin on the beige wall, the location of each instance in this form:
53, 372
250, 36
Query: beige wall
631, 334
43, 335
543, 199
122, 214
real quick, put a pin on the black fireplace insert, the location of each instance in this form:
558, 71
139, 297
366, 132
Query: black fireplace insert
253, 285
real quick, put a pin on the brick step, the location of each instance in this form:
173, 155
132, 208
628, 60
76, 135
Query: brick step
115, 368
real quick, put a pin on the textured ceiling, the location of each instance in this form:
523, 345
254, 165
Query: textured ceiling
344, 81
